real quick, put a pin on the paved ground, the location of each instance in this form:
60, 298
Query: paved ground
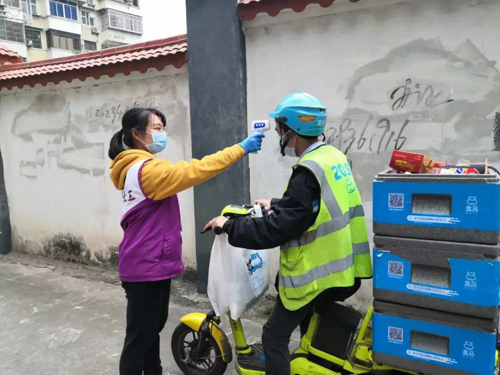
54, 324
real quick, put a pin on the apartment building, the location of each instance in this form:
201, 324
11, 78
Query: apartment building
42, 29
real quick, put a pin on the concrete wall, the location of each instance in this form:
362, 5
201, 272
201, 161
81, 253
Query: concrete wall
88, 35
119, 36
54, 141
417, 75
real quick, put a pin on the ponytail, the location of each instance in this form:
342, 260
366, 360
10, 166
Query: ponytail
116, 145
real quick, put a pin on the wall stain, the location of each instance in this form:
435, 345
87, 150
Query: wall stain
70, 248
496, 133
66, 247
5, 228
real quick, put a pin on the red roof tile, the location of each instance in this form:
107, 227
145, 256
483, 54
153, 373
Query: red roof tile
248, 9
137, 57
4, 51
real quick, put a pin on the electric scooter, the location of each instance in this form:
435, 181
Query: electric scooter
338, 341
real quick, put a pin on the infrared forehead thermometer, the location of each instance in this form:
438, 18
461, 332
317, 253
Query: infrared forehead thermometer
260, 127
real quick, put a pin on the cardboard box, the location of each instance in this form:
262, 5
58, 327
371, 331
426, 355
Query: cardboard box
411, 162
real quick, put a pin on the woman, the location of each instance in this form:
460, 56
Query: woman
151, 250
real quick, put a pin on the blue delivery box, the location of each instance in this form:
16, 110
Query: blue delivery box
456, 208
432, 343
443, 276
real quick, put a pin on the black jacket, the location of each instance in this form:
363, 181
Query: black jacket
292, 215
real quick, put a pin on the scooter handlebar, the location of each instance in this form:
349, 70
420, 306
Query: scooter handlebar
218, 230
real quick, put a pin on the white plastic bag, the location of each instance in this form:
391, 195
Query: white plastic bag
237, 278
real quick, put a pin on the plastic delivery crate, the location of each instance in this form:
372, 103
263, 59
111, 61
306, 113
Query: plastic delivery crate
456, 208
443, 276
432, 343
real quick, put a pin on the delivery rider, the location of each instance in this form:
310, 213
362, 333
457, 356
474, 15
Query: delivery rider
319, 224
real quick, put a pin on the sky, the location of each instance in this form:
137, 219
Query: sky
163, 18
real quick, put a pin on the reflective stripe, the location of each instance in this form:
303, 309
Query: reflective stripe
338, 221
326, 191
336, 266
325, 229
361, 248
356, 211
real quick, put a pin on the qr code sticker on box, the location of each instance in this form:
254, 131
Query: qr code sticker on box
396, 268
396, 200
395, 334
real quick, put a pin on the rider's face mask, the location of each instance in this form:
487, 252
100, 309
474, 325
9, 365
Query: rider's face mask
287, 146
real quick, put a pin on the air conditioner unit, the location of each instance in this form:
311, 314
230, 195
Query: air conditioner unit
95, 30
29, 43
28, 18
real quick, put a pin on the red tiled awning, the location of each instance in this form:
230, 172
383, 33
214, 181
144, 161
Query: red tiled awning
4, 51
8, 56
248, 9
137, 57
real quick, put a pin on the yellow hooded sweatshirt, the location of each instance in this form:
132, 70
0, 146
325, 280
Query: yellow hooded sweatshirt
161, 179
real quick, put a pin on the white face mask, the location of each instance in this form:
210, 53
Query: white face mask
288, 150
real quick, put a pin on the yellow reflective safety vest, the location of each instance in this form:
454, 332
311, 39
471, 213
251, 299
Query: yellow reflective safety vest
335, 249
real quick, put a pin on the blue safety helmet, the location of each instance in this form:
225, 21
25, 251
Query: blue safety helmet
302, 113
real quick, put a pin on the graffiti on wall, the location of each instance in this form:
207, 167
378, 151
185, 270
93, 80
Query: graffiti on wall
418, 90
109, 115
72, 141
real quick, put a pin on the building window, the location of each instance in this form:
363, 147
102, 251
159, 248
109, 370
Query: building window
90, 46
64, 9
11, 31
12, 3
35, 36
62, 40
29, 7
88, 18
121, 21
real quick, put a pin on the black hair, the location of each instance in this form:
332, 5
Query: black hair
135, 118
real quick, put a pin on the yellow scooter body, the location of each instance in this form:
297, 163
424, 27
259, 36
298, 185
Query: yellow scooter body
359, 359
195, 321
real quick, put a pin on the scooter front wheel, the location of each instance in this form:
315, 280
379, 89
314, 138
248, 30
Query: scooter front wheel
193, 357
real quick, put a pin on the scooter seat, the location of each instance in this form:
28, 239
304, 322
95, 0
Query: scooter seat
336, 329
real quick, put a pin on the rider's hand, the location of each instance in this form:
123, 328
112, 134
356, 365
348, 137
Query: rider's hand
252, 143
264, 202
218, 222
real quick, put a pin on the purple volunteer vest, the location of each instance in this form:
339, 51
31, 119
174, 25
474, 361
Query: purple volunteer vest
151, 249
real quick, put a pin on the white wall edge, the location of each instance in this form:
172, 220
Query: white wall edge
315, 10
